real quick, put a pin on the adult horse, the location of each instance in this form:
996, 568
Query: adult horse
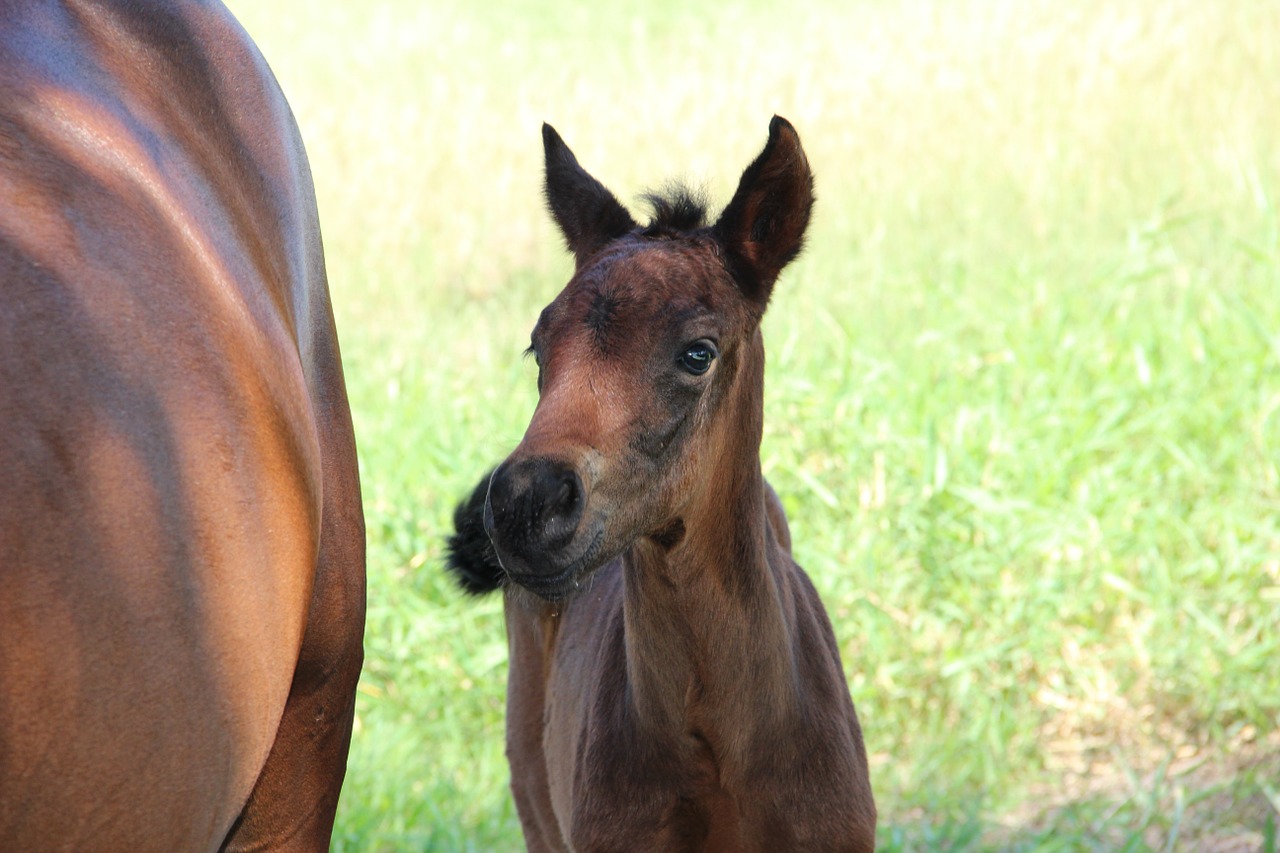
675, 683
181, 538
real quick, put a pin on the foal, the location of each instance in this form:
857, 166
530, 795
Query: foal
674, 682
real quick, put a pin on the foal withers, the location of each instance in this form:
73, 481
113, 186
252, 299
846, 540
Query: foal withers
675, 683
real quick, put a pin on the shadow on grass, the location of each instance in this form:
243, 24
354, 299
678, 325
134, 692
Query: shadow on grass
1083, 827
1198, 809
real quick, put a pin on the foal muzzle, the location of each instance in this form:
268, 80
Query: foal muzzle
532, 515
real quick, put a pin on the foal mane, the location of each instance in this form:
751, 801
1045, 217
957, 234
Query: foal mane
674, 210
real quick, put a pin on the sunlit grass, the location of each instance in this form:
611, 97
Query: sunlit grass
1023, 400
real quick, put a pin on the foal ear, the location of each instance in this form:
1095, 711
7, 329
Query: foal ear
763, 226
587, 213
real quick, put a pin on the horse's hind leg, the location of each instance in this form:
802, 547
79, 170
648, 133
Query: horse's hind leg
293, 803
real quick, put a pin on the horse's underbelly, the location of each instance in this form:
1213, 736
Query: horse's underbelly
156, 559
147, 651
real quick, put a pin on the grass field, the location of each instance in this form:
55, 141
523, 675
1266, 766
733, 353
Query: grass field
1023, 399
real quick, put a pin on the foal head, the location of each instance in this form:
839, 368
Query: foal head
650, 366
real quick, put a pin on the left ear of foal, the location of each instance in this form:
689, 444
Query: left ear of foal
763, 226
587, 213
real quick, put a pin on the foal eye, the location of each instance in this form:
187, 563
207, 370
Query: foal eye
531, 352
697, 357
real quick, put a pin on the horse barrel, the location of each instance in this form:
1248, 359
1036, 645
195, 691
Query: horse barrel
181, 536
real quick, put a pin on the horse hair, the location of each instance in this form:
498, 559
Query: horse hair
677, 208
469, 555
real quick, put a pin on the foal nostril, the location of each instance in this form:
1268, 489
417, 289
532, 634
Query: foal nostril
566, 497
562, 511
536, 506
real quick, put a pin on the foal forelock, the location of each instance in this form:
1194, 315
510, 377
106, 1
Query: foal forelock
676, 210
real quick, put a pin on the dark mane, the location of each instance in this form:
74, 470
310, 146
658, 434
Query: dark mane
676, 208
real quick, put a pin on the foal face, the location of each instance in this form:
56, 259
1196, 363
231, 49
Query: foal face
635, 359
640, 358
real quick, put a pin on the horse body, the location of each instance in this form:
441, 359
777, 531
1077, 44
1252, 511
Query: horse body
675, 683
181, 537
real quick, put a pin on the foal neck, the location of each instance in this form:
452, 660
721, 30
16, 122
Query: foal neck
706, 616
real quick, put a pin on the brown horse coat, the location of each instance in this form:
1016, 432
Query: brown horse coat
181, 537
675, 684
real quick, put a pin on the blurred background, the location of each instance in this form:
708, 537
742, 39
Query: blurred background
1023, 396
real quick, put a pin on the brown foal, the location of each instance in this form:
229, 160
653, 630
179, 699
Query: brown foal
674, 682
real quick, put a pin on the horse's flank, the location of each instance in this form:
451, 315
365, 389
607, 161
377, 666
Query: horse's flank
181, 538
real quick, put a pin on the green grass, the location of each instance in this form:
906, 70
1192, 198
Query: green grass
1023, 399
